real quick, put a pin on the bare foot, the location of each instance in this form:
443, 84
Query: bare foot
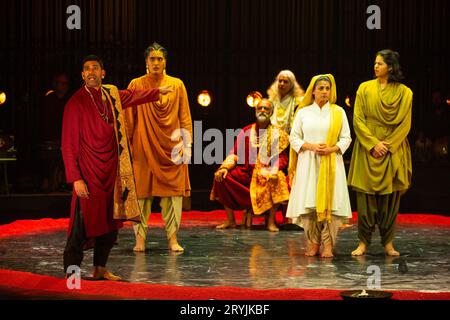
272, 228
110, 276
313, 249
226, 225
174, 246
102, 273
360, 250
390, 250
327, 251
140, 244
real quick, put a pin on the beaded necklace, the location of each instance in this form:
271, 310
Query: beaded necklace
104, 115
262, 141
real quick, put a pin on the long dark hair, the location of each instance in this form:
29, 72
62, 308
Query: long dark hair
391, 58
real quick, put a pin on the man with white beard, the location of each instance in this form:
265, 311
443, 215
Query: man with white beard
251, 177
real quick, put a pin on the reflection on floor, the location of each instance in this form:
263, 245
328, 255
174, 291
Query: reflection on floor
252, 259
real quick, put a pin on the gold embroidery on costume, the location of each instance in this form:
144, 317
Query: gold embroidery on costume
269, 186
126, 206
281, 112
230, 162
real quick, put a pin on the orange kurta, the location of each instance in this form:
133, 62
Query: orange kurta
151, 127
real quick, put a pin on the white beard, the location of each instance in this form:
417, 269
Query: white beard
262, 118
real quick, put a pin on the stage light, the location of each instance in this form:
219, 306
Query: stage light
348, 102
448, 102
2, 97
254, 98
204, 98
49, 92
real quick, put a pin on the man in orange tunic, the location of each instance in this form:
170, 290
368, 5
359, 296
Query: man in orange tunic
161, 140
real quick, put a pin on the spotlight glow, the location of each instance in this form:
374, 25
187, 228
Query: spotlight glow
254, 98
348, 102
2, 97
204, 98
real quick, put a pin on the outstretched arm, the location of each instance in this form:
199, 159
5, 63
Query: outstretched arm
132, 97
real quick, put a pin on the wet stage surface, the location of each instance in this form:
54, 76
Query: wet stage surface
255, 259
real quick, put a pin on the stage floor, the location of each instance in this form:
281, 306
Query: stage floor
254, 258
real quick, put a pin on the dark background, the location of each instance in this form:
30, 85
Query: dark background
230, 48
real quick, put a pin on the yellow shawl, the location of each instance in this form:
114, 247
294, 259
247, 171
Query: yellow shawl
327, 171
308, 99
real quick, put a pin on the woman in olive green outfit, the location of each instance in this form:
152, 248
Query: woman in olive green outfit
380, 169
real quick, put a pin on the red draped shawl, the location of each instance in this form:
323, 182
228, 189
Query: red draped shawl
90, 152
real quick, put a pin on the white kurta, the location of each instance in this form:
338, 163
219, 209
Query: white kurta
311, 125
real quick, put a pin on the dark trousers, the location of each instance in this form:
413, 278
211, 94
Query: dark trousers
378, 210
77, 242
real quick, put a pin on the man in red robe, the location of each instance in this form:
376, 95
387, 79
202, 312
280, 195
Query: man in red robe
97, 160
251, 177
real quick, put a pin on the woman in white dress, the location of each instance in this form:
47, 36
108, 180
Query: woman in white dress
320, 135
